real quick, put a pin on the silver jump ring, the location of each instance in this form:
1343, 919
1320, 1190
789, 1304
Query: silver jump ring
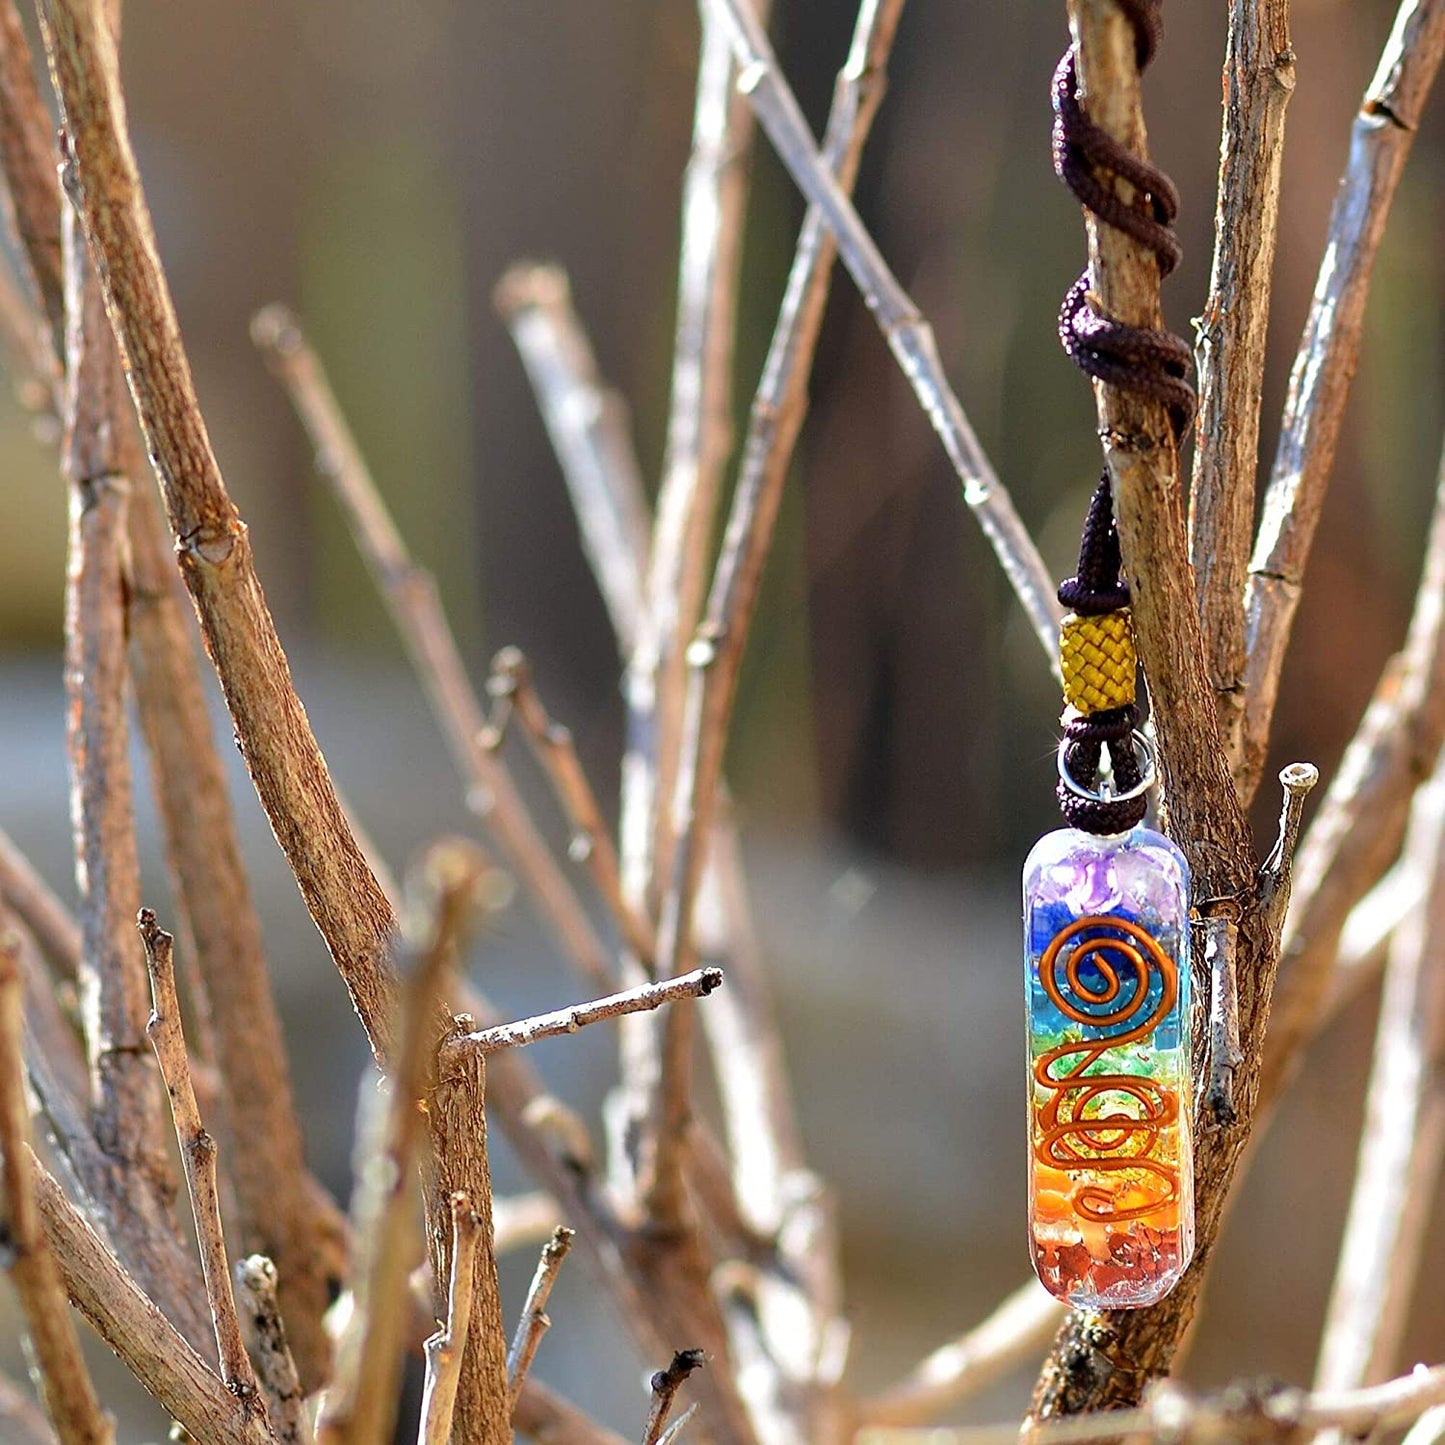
1106, 794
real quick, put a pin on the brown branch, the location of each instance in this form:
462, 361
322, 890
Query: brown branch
444, 1349
257, 1286
534, 1322
1017, 1330
547, 1418
590, 432
1380, 142
665, 1385
1403, 1139
360, 1408
33, 901
198, 1158
1359, 827
515, 695
1264, 1413
697, 984
411, 597
271, 726
124, 1316
65, 1384
51, 1033
27, 157
1230, 350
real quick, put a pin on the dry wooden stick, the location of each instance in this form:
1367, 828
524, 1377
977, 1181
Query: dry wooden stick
1358, 829
515, 695
360, 1408
1258, 81
198, 1158
1403, 1140
909, 336
1248, 1413
257, 1287
411, 597
51, 1034
665, 1385
1380, 142
697, 984
129, 1321
590, 432
33, 901
534, 1322
444, 1349
547, 1418
271, 726
1018, 1329
65, 1384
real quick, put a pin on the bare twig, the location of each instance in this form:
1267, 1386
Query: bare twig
360, 1408
444, 1349
1221, 944
908, 335
1403, 1138
411, 597
674, 1431
589, 428
64, 1381
1230, 350
697, 984
1357, 831
515, 696
43, 914
1246, 1414
134, 1327
1276, 873
1016, 1331
1380, 142
534, 1322
198, 1157
665, 1385
271, 726
257, 1286
548, 1419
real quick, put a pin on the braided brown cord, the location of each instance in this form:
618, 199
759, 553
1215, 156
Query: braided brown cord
1140, 359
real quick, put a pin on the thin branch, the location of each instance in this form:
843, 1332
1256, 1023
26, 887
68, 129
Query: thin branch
33, 901
198, 1158
697, 984
547, 1418
445, 1349
1380, 141
1259, 79
908, 335
1221, 944
1276, 873
271, 726
360, 1407
1359, 827
1403, 1140
665, 1385
534, 1322
65, 1384
136, 1330
515, 696
590, 432
1017, 1331
1245, 1414
411, 597
674, 1431
257, 1286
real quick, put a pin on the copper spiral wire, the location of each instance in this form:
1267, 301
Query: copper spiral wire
1069, 1139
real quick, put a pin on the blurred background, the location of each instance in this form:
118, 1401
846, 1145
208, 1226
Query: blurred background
377, 164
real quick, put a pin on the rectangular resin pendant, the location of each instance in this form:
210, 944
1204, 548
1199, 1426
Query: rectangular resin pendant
1106, 961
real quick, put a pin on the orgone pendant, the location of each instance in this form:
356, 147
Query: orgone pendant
1111, 1207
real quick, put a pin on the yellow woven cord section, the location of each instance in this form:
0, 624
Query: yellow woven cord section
1097, 655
